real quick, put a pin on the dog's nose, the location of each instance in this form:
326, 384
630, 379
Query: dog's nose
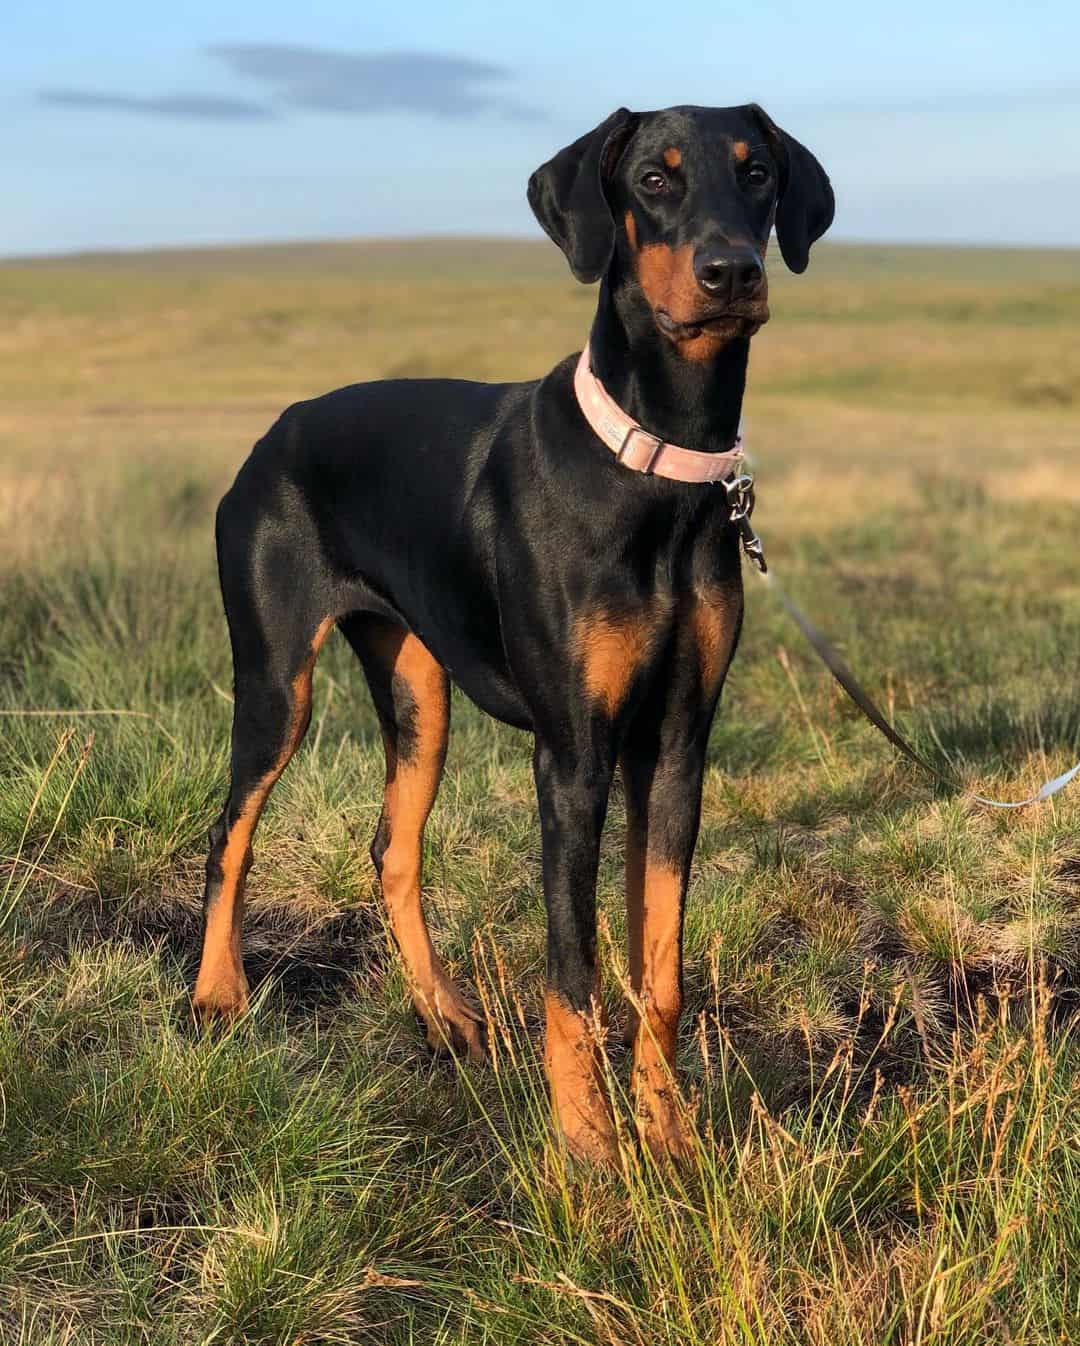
726, 272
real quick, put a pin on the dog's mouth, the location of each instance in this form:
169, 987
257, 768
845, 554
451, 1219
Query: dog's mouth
726, 323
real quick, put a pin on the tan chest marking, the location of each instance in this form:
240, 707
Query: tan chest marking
713, 616
611, 650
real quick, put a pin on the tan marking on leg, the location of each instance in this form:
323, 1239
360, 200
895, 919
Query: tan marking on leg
660, 1111
221, 987
636, 842
713, 621
412, 782
579, 1097
611, 650
673, 156
741, 151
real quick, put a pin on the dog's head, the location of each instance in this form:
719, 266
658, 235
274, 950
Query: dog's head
683, 201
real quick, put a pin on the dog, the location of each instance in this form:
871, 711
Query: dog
490, 535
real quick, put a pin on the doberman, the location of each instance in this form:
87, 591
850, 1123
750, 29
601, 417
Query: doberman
484, 533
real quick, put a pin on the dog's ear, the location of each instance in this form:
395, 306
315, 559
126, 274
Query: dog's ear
568, 197
806, 205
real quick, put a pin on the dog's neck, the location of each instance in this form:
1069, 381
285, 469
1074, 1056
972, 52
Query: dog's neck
698, 404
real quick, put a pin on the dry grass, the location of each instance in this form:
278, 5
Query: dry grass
881, 977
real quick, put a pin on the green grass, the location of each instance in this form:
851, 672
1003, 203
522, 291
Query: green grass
879, 1047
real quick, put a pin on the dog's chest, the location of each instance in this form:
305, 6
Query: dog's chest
686, 636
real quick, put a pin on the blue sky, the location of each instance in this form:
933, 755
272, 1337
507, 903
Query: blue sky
124, 124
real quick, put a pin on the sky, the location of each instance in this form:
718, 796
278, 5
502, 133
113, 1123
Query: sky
126, 125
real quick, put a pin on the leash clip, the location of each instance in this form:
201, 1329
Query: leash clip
740, 495
752, 545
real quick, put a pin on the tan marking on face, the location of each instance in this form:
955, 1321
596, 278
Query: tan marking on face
741, 150
579, 1097
667, 279
631, 229
714, 615
611, 650
221, 984
673, 156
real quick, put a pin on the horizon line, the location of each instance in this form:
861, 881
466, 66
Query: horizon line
453, 236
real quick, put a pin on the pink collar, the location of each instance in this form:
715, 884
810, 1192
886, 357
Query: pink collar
635, 448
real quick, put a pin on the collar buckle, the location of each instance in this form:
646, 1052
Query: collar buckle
643, 458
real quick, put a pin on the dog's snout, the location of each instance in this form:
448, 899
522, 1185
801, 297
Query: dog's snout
727, 272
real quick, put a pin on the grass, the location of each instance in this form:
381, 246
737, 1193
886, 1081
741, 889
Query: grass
880, 1049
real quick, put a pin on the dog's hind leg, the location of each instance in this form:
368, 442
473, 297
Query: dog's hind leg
412, 697
271, 712
279, 616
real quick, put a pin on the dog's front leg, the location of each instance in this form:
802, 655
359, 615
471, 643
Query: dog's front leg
572, 789
662, 775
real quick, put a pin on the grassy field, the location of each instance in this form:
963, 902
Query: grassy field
881, 976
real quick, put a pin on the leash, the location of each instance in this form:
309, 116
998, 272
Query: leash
740, 491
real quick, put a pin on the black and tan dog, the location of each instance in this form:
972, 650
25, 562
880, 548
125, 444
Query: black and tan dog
484, 533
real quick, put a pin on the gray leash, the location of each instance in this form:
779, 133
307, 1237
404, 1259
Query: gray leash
740, 492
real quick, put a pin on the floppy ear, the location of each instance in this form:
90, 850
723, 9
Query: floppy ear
567, 195
806, 204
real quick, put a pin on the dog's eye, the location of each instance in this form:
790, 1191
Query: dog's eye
758, 174
654, 182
